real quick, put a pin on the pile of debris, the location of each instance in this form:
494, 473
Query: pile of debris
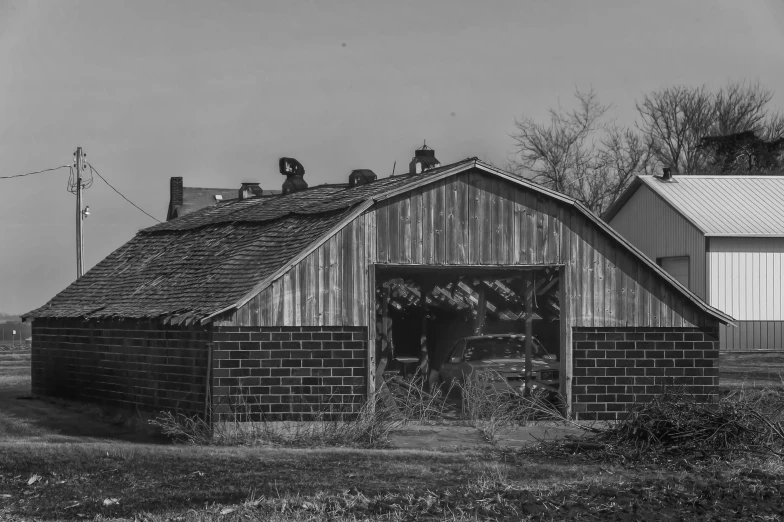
676, 423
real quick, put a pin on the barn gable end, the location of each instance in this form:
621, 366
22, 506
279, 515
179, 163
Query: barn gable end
441, 224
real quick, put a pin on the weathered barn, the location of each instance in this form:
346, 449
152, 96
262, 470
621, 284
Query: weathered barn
286, 296
720, 236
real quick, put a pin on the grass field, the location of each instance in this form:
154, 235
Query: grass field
14, 368
60, 462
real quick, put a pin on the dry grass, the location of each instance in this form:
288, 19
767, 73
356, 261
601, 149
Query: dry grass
415, 403
368, 426
492, 412
193, 483
14, 368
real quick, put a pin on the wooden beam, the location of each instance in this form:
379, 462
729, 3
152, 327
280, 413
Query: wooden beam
481, 311
565, 355
371, 321
529, 330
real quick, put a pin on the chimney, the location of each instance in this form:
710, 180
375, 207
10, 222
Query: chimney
666, 174
175, 192
249, 189
294, 172
361, 177
424, 159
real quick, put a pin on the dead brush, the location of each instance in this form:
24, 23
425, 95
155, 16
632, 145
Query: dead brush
677, 421
240, 423
677, 424
492, 411
416, 404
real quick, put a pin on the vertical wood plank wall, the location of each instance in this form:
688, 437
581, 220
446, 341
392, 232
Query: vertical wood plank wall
471, 219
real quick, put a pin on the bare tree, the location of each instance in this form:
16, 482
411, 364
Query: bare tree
578, 152
673, 120
676, 120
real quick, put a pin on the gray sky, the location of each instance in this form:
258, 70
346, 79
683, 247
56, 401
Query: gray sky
217, 91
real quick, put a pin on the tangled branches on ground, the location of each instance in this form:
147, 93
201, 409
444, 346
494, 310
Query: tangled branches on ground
678, 424
676, 419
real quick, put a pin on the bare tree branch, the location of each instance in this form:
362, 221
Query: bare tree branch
579, 153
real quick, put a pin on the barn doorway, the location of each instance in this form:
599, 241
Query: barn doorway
428, 319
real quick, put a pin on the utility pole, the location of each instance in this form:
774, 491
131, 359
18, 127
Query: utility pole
79, 215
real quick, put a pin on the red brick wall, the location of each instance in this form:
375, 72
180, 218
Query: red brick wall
617, 367
130, 364
288, 372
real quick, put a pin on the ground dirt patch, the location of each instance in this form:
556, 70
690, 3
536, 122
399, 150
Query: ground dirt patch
59, 462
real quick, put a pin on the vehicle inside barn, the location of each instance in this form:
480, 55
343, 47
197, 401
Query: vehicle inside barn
437, 325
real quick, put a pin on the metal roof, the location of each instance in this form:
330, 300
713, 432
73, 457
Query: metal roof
751, 206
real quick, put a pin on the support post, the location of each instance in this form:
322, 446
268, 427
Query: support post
565, 321
481, 311
387, 349
529, 329
372, 333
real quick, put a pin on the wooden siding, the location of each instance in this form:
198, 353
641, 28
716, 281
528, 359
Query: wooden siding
472, 219
652, 225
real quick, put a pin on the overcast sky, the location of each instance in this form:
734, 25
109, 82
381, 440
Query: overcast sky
216, 92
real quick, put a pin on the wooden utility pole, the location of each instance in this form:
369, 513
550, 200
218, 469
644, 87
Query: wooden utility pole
79, 216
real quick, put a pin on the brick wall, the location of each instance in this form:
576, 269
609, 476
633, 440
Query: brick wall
130, 364
616, 367
288, 372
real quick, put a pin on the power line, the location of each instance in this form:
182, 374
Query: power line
120, 193
36, 172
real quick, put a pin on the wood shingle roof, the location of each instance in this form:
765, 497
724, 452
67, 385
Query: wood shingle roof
183, 270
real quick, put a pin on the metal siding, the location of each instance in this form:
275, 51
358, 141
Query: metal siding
747, 273
726, 205
752, 335
654, 227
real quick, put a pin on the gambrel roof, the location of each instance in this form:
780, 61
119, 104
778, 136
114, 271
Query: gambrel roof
197, 266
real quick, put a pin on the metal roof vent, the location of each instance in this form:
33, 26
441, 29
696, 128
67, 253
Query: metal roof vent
249, 189
424, 159
361, 177
666, 174
294, 172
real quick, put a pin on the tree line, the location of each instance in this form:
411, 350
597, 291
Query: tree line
587, 155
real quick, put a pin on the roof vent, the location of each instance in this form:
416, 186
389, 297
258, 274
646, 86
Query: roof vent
361, 177
666, 174
424, 159
294, 172
249, 189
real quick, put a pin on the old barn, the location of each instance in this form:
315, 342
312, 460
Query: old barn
294, 296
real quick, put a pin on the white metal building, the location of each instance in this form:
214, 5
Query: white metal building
720, 236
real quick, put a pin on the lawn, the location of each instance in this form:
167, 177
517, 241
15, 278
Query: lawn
61, 462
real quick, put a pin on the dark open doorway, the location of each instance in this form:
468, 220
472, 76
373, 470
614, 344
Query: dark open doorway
422, 314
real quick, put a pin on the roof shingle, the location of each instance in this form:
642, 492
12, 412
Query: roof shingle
184, 269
